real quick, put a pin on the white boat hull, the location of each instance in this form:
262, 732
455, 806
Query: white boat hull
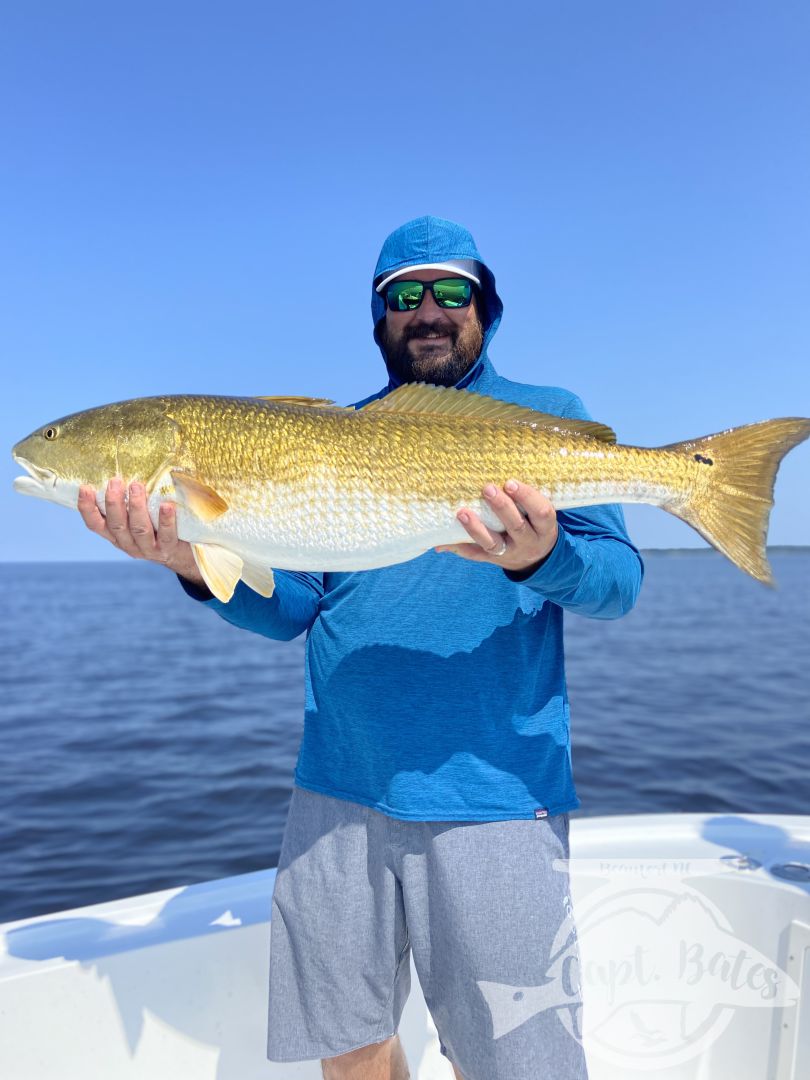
173, 984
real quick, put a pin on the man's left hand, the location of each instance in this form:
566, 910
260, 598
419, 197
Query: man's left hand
529, 537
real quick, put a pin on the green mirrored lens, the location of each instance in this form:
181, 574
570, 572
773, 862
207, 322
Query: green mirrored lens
452, 292
405, 295
447, 292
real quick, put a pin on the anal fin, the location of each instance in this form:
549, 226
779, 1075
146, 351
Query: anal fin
220, 568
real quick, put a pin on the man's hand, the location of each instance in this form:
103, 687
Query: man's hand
529, 538
132, 530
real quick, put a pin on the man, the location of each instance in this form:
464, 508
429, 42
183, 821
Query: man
433, 784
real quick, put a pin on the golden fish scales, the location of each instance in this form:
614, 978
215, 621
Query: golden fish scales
447, 458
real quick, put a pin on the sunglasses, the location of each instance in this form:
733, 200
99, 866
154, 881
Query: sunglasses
447, 292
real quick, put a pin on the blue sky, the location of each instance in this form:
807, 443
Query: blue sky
194, 195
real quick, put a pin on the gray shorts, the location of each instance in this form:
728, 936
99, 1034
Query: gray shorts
487, 916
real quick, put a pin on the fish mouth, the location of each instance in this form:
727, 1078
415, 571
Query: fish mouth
39, 482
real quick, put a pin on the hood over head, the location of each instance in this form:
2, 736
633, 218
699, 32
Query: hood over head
428, 240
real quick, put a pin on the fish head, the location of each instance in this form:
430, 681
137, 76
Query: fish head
133, 440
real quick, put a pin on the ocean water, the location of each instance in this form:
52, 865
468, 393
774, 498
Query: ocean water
129, 763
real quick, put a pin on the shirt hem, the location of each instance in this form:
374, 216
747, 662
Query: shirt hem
439, 815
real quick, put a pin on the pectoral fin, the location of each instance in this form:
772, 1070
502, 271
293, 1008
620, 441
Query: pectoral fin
259, 578
220, 568
198, 497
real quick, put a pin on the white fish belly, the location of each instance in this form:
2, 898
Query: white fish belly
334, 531
329, 529
597, 493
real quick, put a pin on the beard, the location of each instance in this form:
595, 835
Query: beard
441, 369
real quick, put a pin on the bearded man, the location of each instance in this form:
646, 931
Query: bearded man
433, 785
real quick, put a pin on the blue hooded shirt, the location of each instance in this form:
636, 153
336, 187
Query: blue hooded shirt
435, 688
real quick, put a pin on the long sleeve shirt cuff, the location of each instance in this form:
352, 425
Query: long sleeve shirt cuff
534, 576
598, 577
196, 592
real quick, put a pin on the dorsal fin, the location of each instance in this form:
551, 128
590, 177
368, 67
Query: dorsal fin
313, 402
450, 401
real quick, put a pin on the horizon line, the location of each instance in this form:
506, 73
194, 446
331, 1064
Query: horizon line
114, 561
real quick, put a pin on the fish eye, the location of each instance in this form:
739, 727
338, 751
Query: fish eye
50, 432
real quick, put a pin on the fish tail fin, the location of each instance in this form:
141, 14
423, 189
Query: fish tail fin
731, 507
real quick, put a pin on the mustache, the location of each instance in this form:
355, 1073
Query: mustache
425, 329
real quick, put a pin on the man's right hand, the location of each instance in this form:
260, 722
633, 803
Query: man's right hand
131, 530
